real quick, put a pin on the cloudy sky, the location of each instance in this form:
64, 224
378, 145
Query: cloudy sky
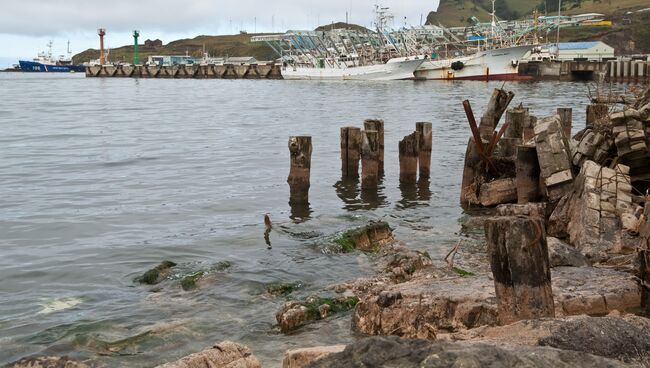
27, 25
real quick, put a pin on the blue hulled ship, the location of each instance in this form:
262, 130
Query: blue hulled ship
46, 63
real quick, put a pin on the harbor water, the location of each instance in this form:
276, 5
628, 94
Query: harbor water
103, 179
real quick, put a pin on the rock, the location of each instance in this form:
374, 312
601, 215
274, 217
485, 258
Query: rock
156, 274
426, 306
294, 314
48, 362
624, 338
283, 288
301, 358
498, 192
400, 263
562, 254
368, 238
403, 353
223, 355
529, 210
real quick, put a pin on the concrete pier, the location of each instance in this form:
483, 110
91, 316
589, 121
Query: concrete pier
211, 71
620, 70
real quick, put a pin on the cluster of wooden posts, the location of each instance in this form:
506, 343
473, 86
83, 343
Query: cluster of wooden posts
365, 146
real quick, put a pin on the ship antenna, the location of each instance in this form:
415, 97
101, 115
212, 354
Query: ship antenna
49, 48
69, 52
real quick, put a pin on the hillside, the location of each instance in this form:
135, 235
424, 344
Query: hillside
235, 45
342, 25
455, 13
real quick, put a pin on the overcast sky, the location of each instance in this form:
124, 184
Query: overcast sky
27, 25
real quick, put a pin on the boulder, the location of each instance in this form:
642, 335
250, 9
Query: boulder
301, 358
294, 314
223, 355
156, 274
404, 353
562, 254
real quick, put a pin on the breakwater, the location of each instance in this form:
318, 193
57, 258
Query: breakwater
621, 70
211, 71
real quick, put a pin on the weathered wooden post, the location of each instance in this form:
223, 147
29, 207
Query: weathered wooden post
377, 126
409, 150
514, 133
520, 264
596, 112
425, 131
370, 159
566, 119
350, 151
528, 172
300, 155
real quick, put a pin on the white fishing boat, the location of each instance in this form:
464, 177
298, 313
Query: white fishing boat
492, 64
331, 69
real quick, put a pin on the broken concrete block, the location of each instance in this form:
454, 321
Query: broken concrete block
498, 192
553, 154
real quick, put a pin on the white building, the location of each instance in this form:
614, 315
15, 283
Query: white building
592, 51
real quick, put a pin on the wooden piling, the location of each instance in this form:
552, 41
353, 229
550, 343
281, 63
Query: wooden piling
350, 152
300, 150
409, 150
377, 126
370, 159
566, 120
528, 172
426, 145
596, 112
520, 264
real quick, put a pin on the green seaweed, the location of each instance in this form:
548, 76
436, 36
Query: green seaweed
346, 242
337, 305
426, 254
462, 272
156, 274
189, 282
280, 288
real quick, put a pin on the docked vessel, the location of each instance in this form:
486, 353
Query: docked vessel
492, 64
46, 63
394, 69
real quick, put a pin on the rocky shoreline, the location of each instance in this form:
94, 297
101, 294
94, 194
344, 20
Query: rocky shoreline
573, 293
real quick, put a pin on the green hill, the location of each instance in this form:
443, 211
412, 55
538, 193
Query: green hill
456, 13
235, 45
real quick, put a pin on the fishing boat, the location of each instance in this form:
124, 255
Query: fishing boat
491, 64
46, 63
335, 69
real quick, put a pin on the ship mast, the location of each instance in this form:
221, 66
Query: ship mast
559, 20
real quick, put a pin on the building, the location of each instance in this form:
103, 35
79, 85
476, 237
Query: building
168, 60
592, 51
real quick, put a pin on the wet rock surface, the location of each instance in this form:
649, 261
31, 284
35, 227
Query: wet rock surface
223, 355
368, 238
48, 362
622, 338
395, 352
300, 358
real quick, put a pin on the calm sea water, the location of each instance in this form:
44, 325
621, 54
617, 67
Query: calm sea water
102, 179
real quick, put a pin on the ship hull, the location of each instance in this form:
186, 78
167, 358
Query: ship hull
34, 67
498, 64
394, 69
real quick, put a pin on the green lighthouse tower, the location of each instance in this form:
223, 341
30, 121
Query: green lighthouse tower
136, 51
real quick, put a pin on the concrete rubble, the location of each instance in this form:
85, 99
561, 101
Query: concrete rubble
223, 355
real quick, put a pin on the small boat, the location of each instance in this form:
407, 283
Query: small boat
46, 63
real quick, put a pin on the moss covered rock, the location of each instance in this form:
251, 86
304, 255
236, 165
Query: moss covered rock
369, 238
295, 314
156, 274
283, 288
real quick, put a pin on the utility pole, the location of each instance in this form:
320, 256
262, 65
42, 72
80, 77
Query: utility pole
136, 51
559, 20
